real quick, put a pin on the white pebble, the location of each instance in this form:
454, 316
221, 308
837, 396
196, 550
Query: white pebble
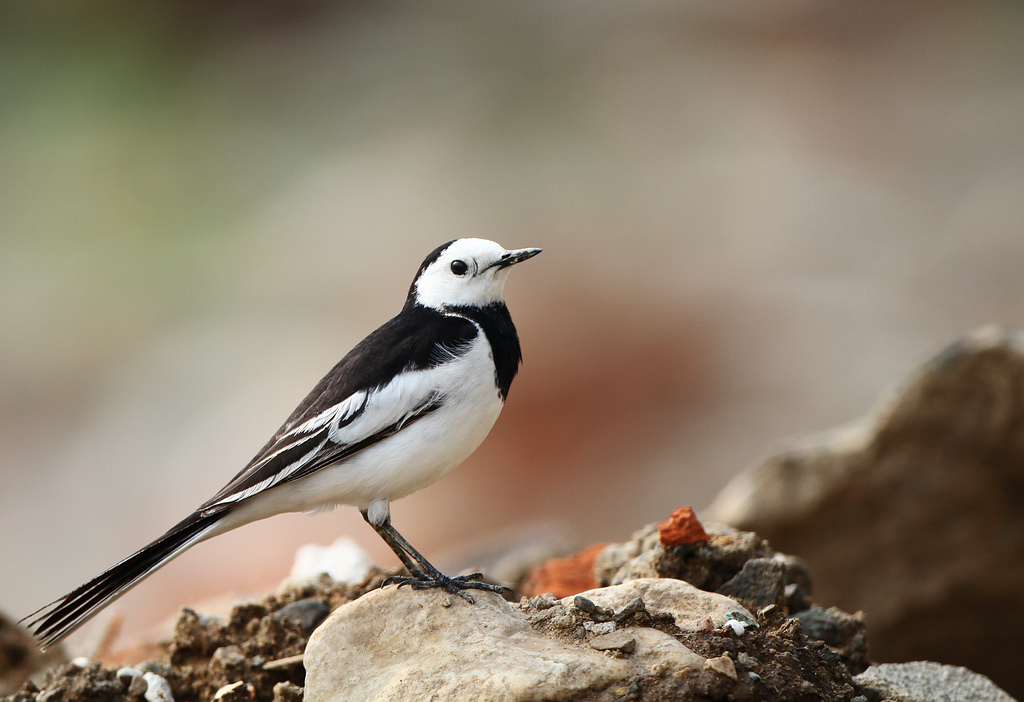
80, 662
737, 627
158, 690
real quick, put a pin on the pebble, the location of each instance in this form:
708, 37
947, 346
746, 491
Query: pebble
738, 627
738, 622
541, 602
617, 641
741, 617
138, 686
308, 614
599, 627
746, 660
562, 622
682, 528
722, 665
227, 689
226, 657
157, 688
759, 583
134, 681
637, 605
164, 671
287, 692
236, 692
596, 611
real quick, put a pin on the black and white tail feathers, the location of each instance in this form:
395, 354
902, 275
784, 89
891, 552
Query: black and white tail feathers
58, 619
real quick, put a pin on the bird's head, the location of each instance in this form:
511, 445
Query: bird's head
465, 273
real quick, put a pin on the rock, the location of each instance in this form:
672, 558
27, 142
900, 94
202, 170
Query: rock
632, 560
722, 665
137, 686
761, 582
690, 607
621, 641
711, 564
643, 567
157, 688
739, 621
914, 514
161, 669
681, 528
708, 564
927, 682
592, 609
405, 645
235, 692
650, 639
287, 692
845, 633
612, 557
306, 614
226, 659
133, 680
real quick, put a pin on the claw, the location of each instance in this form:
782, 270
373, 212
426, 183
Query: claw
456, 585
472, 581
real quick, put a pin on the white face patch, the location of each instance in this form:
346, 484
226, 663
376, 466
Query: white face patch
464, 274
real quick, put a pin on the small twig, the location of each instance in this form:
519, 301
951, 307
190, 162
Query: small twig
283, 662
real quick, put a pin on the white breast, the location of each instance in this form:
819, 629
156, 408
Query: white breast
416, 456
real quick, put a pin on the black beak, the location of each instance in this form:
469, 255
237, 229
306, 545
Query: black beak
510, 258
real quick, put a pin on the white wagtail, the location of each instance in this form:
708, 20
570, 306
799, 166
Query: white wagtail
408, 404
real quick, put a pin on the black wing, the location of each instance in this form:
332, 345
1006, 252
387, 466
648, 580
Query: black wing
326, 427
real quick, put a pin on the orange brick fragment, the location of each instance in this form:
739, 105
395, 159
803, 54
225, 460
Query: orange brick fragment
563, 577
682, 528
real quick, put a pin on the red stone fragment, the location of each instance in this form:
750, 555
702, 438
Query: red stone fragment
563, 577
682, 528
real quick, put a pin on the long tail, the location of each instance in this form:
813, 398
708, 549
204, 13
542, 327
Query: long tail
59, 618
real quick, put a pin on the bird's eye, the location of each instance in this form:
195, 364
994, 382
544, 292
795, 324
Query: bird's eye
459, 267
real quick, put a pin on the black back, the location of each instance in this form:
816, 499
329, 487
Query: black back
414, 340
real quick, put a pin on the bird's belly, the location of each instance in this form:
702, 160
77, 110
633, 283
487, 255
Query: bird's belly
420, 453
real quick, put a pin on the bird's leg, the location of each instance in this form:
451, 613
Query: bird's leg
424, 574
408, 562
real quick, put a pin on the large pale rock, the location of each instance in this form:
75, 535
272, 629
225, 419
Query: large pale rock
915, 514
923, 681
693, 609
392, 645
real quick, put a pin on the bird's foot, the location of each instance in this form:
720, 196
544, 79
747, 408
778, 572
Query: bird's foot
455, 585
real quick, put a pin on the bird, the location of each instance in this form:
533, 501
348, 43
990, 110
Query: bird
402, 409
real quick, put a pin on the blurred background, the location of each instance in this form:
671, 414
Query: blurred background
756, 217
